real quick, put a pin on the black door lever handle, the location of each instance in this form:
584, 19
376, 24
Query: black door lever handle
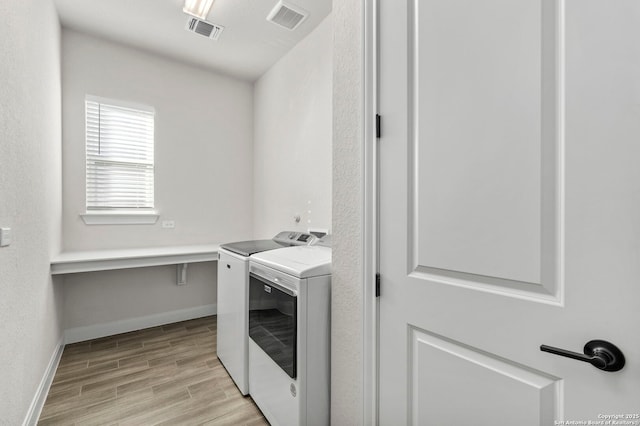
599, 353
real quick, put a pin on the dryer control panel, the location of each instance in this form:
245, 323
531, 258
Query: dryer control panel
295, 238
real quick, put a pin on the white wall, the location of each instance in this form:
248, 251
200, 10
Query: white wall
30, 200
347, 403
203, 140
203, 176
111, 302
292, 151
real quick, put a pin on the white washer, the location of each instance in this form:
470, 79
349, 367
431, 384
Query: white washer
289, 334
233, 295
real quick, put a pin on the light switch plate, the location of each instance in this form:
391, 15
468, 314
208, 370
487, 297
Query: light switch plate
169, 224
5, 237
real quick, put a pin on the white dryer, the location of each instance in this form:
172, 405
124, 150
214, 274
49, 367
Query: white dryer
233, 296
289, 334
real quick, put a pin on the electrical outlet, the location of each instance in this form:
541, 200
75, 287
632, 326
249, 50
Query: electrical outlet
5, 237
169, 224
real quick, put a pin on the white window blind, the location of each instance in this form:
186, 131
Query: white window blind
119, 155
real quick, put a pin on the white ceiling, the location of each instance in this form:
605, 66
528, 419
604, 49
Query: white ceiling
248, 46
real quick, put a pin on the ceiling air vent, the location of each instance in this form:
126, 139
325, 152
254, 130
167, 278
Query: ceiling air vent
287, 15
204, 28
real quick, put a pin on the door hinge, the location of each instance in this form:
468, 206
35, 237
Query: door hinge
377, 285
378, 120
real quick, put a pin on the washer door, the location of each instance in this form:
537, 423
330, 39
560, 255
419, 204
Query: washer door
273, 321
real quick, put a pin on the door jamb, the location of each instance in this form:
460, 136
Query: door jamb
370, 213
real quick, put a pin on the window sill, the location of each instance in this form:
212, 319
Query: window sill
120, 218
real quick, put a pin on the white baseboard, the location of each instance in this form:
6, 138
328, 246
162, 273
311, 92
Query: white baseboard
43, 389
80, 334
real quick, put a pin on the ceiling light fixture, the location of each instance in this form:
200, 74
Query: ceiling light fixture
198, 8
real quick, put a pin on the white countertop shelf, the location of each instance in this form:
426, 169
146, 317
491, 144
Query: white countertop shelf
104, 260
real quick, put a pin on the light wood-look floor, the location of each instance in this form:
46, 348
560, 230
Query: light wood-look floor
166, 375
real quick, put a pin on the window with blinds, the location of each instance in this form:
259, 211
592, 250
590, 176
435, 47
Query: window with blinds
119, 148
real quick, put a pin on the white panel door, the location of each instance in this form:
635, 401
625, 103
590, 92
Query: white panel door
509, 209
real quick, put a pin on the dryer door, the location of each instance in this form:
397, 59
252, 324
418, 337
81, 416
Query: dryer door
273, 321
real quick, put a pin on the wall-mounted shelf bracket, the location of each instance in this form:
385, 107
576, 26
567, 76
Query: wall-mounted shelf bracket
182, 274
